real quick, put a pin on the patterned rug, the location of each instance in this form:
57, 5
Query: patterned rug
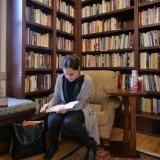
101, 154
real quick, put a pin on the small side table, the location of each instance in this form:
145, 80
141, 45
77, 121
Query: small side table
126, 148
3, 102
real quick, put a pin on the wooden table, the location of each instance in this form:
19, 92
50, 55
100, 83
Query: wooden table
127, 147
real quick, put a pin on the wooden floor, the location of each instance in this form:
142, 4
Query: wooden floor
145, 143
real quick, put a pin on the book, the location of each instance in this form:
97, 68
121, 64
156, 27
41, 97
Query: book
56, 108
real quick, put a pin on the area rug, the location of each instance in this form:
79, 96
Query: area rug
101, 154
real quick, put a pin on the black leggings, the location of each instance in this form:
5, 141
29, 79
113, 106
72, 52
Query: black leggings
72, 123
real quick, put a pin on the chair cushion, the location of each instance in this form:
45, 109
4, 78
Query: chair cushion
101, 80
101, 115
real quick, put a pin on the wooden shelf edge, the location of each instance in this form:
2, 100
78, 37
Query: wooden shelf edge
107, 68
34, 93
59, 51
65, 33
64, 15
109, 51
41, 4
141, 27
38, 70
89, 18
112, 32
38, 47
48, 28
148, 4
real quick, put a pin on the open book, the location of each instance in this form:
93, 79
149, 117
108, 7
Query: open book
62, 106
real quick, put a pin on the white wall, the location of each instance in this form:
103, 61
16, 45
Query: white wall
3, 7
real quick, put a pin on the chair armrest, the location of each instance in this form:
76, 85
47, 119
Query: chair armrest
111, 102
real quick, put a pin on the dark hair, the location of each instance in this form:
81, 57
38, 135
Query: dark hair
70, 61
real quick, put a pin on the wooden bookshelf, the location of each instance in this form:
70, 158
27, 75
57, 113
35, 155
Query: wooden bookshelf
34, 18
127, 24
132, 13
70, 37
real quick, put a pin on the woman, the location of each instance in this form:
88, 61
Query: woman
80, 121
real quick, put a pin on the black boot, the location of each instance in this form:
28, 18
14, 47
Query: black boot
91, 154
50, 153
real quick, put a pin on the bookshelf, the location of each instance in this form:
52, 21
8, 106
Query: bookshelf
40, 33
112, 36
65, 30
103, 26
133, 44
30, 62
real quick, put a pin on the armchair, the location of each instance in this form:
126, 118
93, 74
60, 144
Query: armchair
103, 104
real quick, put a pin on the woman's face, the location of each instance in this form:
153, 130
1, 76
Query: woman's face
71, 74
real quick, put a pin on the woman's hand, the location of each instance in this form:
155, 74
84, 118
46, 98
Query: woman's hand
46, 106
62, 111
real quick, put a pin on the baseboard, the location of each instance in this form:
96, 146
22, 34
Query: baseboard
148, 152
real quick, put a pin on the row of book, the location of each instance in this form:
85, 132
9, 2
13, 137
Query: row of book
64, 44
149, 60
148, 105
124, 80
46, 2
37, 82
39, 103
64, 25
65, 8
108, 43
38, 39
151, 83
37, 16
150, 38
104, 7
37, 60
149, 16
101, 25
59, 59
125, 59
146, 1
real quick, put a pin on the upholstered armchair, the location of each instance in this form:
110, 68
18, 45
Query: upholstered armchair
103, 104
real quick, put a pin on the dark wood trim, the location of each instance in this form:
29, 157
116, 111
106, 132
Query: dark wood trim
104, 15
39, 5
149, 71
149, 26
136, 36
41, 27
65, 34
39, 70
64, 52
38, 48
106, 33
148, 4
89, 2
150, 49
108, 68
65, 16
71, 2
34, 93
78, 29
109, 51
